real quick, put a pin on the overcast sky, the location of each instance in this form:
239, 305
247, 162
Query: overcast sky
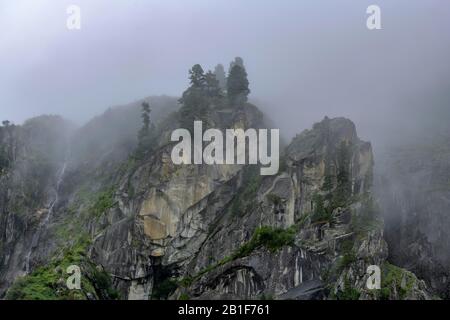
305, 59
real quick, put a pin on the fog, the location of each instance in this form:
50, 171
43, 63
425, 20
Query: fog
305, 59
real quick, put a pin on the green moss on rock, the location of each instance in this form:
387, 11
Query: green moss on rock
48, 282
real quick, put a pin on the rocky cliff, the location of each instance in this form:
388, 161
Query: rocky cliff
141, 227
413, 186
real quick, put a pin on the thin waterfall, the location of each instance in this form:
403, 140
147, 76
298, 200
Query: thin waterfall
43, 224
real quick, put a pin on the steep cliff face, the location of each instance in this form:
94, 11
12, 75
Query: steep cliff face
414, 189
57, 182
141, 227
35, 155
167, 211
308, 232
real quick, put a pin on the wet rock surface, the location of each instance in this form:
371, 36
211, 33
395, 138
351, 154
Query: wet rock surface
156, 230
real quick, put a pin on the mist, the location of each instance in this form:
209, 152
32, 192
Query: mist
304, 59
88, 174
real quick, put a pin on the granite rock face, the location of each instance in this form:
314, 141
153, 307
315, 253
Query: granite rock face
414, 192
34, 153
147, 228
321, 203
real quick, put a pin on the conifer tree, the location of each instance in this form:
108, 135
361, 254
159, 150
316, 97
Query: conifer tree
197, 76
212, 87
144, 133
237, 85
219, 72
237, 61
194, 99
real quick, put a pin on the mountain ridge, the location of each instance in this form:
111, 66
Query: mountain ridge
144, 228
